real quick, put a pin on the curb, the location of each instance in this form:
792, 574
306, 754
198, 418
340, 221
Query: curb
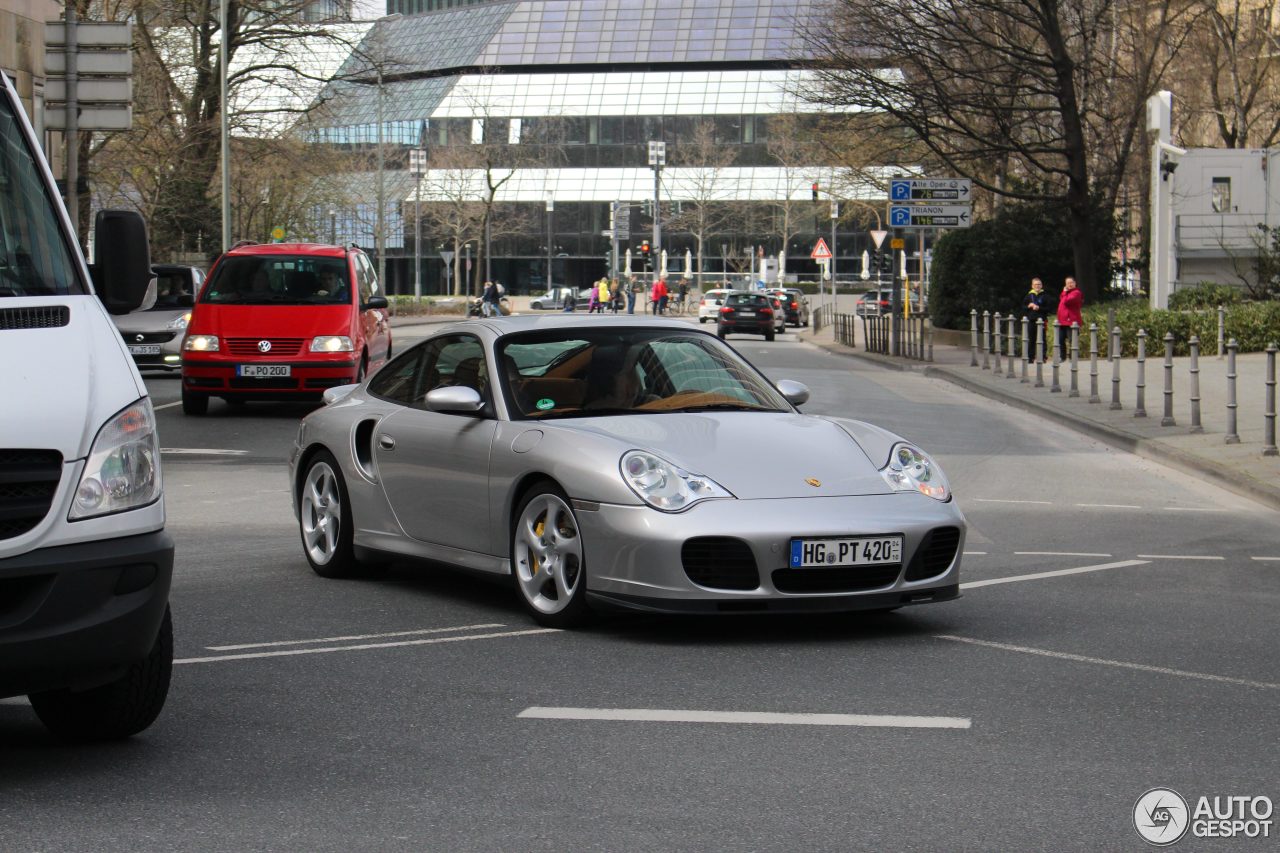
1232, 480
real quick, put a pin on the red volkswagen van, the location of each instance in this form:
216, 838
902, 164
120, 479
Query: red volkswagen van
282, 321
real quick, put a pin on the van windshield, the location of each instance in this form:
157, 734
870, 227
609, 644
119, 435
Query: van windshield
35, 259
279, 280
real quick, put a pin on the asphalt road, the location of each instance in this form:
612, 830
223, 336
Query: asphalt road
1117, 633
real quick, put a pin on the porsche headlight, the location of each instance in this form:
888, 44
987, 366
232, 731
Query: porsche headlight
665, 486
911, 470
177, 324
331, 343
201, 343
123, 468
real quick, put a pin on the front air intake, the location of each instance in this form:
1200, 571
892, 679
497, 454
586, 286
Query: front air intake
936, 553
28, 481
39, 317
720, 562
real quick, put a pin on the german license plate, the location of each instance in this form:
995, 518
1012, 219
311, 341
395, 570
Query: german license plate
145, 349
862, 551
263, 371
746, 313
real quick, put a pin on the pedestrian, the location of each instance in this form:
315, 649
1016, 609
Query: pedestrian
594, 302
658, 297
489, 299
1033, 305
570, 301
1069, 305
683, 293
615, 295
633, 287
602, 289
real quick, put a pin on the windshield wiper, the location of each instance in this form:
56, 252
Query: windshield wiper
720, 407
588, 413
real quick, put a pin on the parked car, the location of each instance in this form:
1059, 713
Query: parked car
283, 321
709, 305
154, 336
553, 299
614, 462
779, 313
747, 312
796, 305
875, 302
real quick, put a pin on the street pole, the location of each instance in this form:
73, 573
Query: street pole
835, 215
72, 112
417, 165
657, 159
551, 207
382, 201
614, 209
333, 226
225, 124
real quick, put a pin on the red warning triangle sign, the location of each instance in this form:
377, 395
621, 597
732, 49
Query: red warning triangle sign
820, 251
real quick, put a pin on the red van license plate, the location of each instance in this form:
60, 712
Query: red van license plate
263, 371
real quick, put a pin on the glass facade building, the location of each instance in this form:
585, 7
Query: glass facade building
540, 113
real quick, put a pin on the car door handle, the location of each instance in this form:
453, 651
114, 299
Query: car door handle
386, 442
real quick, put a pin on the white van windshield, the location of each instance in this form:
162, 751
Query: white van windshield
34, 257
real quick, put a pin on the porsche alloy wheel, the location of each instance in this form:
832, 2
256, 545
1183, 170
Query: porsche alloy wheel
548, 560
325, 519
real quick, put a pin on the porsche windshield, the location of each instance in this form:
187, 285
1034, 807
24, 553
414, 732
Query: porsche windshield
587, 372
279, 280
34, 256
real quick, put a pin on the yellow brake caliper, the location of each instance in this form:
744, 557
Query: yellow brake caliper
537, 531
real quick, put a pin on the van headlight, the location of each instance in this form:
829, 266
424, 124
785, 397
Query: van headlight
331, 343
201, 343
665, 486
123, 468
912, 470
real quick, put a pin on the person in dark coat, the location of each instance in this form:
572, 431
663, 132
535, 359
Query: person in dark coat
1034, 308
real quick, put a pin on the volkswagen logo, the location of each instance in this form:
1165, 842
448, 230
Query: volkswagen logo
264, 346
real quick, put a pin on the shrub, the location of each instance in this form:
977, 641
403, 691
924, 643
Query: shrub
1252, 324
1207, 294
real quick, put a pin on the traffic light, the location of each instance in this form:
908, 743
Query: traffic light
815, 190
886, 262
644, 248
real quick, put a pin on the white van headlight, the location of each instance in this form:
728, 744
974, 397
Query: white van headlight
123, 468
331, 343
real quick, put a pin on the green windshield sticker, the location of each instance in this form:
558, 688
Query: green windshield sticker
546, 403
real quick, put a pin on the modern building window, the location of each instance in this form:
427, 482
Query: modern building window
1220, 195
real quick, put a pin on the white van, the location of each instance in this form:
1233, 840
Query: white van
85, 563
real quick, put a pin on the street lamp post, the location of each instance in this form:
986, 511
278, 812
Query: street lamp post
657, 160
418, 166
333, 226
551, 206
225, 126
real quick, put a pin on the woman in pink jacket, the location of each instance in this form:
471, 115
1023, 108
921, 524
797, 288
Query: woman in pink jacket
1069, 304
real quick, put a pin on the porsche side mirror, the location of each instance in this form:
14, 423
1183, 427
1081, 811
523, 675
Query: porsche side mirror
455, 398
796, 393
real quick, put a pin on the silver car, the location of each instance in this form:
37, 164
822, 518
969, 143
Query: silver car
154, 336
616, 462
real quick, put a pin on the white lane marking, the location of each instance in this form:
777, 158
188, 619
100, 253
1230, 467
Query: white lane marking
1192, 509
654, 715
326, 649
1112, 506
1059, 554
974, 553
1054, 574
166, 406
14, 700
347, 639
1266, 559
999, 501
202, 451
1177, 557
1163, 670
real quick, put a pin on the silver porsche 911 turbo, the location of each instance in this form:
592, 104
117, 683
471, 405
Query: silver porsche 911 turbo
619, 462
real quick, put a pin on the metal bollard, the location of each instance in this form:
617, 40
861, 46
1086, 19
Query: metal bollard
928, 325
1194, 344
1027, 355
1222, 327
986, 340
1011, 344
1055, 388
1269, 414
1114, 352
1093, 364
973, 337
1168, 420
1141, 410
1232, 436
997, 370
1075, 360
1040, 358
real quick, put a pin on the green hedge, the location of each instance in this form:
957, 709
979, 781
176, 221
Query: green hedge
1207, 294
1252, 324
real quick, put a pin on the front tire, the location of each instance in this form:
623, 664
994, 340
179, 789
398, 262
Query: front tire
324, 519
116, 710
769, 335
702, 319
548, 559
194, 403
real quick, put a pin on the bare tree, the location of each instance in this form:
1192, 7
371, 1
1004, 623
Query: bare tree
1039, 100
1229, 82
702, 190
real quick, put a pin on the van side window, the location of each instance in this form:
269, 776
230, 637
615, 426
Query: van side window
367, 279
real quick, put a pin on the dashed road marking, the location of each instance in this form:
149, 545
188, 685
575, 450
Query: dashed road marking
166, 405
347, 639
1058, 554
1054, 574
1001, 501
1266, 559
401, 643
973, 553
1177, 557
1111, 506
1192, 509
655, 715
1142, 667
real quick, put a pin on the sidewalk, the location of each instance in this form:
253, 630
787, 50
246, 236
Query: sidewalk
1240, 468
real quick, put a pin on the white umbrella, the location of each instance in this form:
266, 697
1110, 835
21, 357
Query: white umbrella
866, 265
760, 276
688, 264
782, 267
664, 264
626, 270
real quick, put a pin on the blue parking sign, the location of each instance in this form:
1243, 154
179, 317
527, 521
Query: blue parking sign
899, 190
899, 217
